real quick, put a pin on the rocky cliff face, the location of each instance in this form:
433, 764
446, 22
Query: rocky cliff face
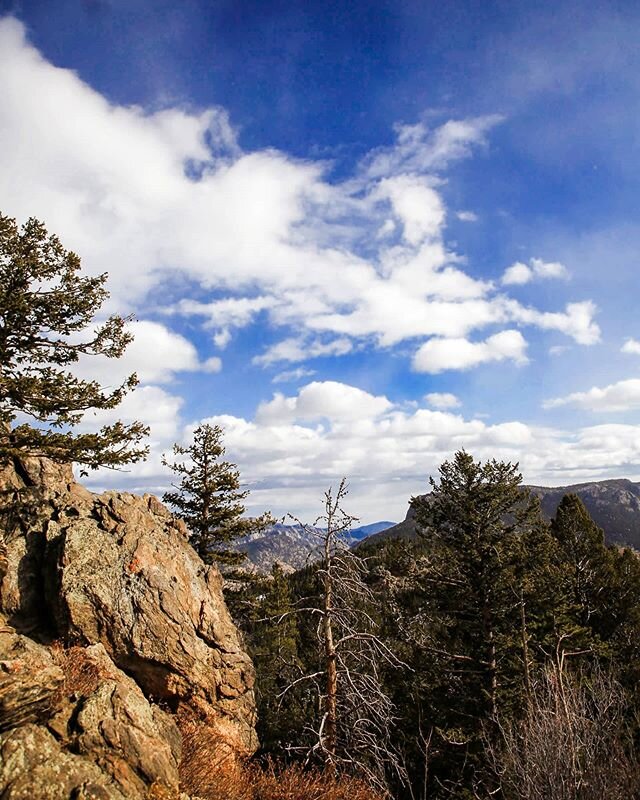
112, 632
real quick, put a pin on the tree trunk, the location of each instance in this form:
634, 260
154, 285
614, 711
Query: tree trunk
524, 637
492, 665
330, 737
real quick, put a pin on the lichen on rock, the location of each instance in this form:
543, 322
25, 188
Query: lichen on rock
110, 625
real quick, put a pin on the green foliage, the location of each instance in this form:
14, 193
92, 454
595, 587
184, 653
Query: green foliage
47, 311
208, 497
274, 640
586, 567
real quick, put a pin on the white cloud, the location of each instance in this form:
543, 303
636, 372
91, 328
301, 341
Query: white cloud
156, 407
438, 355
156, 354
617, 397
631, 346
295, 447
222, 338
323, 399
518, 274
291, 375
271, 232
548, 269
416, 204
212, 364
230, 312
423, 149
293, 350
442, 400
576, 321
467, 216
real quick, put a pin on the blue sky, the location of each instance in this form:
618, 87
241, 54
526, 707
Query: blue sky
358, 235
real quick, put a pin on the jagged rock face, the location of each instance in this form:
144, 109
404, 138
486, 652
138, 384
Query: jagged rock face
126, 577
135, 742
29, 680
115, 576
33, 764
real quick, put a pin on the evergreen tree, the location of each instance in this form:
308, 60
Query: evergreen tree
47, 311
598, 593
473, 652
273, 640
475, 519
587, 565
208, 497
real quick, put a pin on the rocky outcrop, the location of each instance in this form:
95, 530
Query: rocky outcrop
112, 630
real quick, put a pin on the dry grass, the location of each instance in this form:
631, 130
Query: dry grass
210, 770
81, 675
281, 783
295, 783
209, 759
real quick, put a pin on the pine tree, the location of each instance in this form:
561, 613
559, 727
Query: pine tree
474, 520
587, 562
473, 637
273, 640
47, 311
597, 591
208, 497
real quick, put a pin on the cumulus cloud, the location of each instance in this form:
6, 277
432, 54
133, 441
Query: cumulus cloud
323, 400
388, 452
438, 355
156, 355
159, 409
295, 446
169, 198
631, 346
518, 274
617, 397
442, 400
417, 205
576, 321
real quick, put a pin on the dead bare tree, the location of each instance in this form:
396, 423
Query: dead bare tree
573, 743
351, 732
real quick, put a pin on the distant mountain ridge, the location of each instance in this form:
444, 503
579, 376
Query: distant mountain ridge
293, 546
614, 506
